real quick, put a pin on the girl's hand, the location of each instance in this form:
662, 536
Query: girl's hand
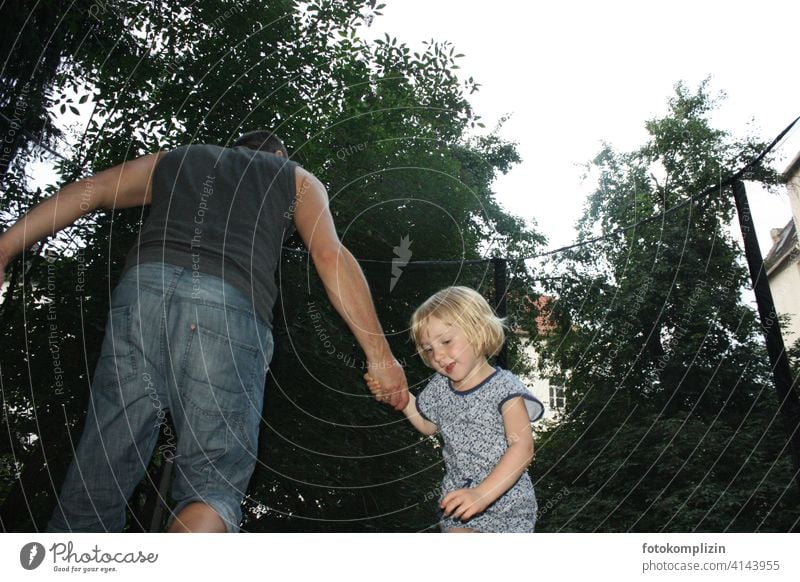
464, 504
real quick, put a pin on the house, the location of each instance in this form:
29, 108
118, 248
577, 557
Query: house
783, 261
550, 394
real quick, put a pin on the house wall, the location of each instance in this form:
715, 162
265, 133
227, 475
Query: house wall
540, 386
785, 287
785, 283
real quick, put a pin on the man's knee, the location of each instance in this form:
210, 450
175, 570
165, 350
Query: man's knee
197, 517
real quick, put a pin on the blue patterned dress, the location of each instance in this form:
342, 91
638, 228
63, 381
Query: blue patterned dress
471, 424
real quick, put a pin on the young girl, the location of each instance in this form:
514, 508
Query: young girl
483, 414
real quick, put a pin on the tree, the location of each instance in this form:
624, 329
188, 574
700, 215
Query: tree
670, 415
388, 132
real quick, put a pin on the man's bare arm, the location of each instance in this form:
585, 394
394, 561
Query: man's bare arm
122, 186
346, 286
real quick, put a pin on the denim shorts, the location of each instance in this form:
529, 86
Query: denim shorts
191, 345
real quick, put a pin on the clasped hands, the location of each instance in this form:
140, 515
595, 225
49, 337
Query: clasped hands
387, 383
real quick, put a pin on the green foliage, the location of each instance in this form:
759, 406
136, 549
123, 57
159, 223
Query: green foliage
387, 132
658, 473
669, 398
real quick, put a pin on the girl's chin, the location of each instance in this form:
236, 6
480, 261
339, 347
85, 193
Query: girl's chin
457, 382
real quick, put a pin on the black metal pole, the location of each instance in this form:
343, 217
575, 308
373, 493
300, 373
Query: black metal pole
788, 402
500, 288
157, 518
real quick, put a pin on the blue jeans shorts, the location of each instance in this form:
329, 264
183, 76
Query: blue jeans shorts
174, 342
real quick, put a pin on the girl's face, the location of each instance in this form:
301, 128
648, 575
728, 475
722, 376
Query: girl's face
452, 355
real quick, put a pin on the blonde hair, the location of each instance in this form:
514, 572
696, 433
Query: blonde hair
465, 308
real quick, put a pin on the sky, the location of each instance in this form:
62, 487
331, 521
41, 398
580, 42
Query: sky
576, 74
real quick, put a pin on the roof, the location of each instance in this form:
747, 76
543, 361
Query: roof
792, 169
784, 246
542, 308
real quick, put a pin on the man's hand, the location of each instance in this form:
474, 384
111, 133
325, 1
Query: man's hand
387, 382
374, 386
464, 504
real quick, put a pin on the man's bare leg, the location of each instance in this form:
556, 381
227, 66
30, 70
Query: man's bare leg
461, 530
197, 517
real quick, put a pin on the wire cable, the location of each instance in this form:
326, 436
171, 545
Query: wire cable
738, 175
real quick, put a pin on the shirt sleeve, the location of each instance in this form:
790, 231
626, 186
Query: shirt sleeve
427, 403
512, 387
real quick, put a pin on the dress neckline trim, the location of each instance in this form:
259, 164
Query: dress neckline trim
497, 370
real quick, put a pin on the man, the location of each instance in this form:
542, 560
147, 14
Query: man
189, 328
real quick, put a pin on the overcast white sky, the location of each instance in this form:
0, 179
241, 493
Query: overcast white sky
573, 74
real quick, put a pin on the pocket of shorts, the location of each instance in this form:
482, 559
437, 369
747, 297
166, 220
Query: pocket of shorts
221, 374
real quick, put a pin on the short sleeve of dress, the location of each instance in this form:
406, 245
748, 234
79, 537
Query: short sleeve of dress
510, 387
427, 402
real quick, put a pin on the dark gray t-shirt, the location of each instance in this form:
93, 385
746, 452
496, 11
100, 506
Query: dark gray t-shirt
223, 212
